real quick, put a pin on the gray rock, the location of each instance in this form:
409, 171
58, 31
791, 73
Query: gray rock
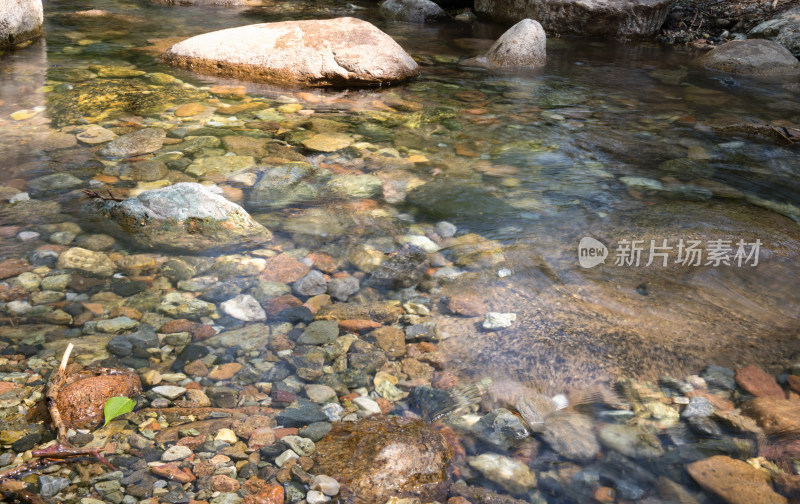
320, 332
761, 58
354, 186
301, 446
300, 413
599, 18
414, 11
719, 378
50, 486
171, 392
116, 324
21, 22
185, 217
501, 428
698, 407
782, 29
343, 288
522, 45
176, 452
571, 436
630, 441
139, 142
120, 346
320, 52
316, 430
284, 185
445, 229
312, 284
60, 182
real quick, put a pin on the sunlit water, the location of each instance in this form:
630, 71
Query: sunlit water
532, 160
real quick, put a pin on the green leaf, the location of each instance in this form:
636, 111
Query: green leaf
116, 406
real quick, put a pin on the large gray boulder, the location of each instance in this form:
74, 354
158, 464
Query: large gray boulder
186, 217
20, 21
328, 52
783, 29
522, 45
621, 19
760, 58
414, 11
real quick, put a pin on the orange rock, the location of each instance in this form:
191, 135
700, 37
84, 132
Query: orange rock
224, 371
391, 340
758, 382
735, 481
794, 383
106, 179
384, 404
285, 431
774, 415
13, 267
358, 325
196, 368
6, 386
603, 494
94, 308
229, 92
273, 494
189, 110
324, 262
126, 311
222, 483
173, 472
467, 304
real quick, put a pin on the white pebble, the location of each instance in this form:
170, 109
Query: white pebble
325, 484
226, 436
177, 452
314, 497
369, 406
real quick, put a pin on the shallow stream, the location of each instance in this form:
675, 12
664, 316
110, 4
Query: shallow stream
617, 142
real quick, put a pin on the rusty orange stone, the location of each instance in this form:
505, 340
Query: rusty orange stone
356, 325
173, 472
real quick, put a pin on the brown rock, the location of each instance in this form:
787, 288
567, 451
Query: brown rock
224, 371
222, 483
173, 472
381, 457
245, 428
13, 267
196, 368
386, 313
735, 481
341, 51
719, 402
794, 383
276, 305
264, 436
391, 340
756, 381
467, 304
416, 369
285, 269
774, 415
81, 402
752, 57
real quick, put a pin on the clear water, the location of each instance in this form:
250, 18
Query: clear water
534, 161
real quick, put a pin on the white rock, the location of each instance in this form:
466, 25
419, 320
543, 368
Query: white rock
422, 242
511, 474
20, 21
325, 484
23, 196
314, 497
244, 307
300, 445
494, 321
176, 452
369, 406
317, 53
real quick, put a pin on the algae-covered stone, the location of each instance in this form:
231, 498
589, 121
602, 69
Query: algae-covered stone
221, 164
139, 142
20, 22
186, 217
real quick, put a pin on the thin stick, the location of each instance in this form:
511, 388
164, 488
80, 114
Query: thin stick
65, 358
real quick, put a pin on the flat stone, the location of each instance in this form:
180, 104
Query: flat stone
50, 486
571, 436
735, 481
244, 307
177, 452
774, 415
337, 51
494, 321
190, 109
171, 392
758, 382
221, 164
94, 135
139, 142
328, 142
